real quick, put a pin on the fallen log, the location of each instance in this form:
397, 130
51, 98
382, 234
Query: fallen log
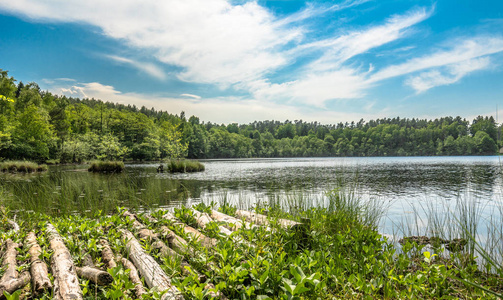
149, 269
11, 281
39, 275
97, 276
194, 233
263, 220
175, 242
233, 223
107, 254
16, 284
133, 275
147, 234
66, 283
203, 219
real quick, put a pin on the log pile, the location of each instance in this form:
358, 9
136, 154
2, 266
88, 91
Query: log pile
142, 266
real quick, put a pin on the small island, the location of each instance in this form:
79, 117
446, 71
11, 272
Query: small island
21, 167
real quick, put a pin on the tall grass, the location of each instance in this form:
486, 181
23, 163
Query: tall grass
106, 167
184, 166
21, 166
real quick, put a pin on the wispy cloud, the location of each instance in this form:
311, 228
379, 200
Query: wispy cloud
147, 68
453, 73
191, 96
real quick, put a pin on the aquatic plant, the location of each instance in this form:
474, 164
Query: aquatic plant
21, 167
106, 167
184, 166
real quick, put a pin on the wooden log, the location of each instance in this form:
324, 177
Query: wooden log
66, 282
234, 223
175, 242
107, 254
194, 233
39, 275
97, 276
203, 219
133, 275
87, 260
14, 224
15, 284
11, 281
263, 220
147, 234
149, 269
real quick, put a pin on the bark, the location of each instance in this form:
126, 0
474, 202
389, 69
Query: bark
107, 254
15, 284
97, 276
133, 275
39, 274
87, 260
66, 283
175, 242
149, 269
14, 225
233, 223
195, 234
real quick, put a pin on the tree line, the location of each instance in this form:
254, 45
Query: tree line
38, 125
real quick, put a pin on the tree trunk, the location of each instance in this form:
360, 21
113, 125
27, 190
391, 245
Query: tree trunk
15, 284
133, 275
66, 282
203, 220
195, 234
151, 271
263, 220
175, 242
39, 274
107, 254
233, 223
10, 281
97, 276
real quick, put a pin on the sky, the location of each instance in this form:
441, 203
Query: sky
241, 61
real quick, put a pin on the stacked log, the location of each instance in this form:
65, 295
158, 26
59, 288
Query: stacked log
66, 283
149, 269
133, 276
39, 274
11, 281
194, 233
263, 220
233, 223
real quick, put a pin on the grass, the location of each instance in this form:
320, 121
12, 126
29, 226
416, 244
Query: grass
184, 166
106, 167
21, 167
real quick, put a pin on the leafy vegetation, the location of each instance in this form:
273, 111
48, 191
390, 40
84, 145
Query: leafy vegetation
38, 125
343, 257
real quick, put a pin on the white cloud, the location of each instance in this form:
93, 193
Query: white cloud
342, 48
148, 68
452, 74
219, 110
462, 52
191, 96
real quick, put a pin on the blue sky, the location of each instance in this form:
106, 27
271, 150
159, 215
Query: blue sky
240, 61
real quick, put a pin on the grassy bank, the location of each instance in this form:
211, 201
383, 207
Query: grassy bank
21, 167
184, 166
343, 256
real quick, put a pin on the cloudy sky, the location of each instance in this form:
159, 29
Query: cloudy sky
240, 61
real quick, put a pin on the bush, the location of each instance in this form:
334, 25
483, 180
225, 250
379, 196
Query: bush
106, 167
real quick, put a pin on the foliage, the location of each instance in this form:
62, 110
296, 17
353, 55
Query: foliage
21, 166
38, 125
184, 166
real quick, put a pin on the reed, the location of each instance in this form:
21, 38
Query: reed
106, 167
184, 166
21, 167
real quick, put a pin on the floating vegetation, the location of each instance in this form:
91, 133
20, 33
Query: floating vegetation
184, 166
21, 167
106, 167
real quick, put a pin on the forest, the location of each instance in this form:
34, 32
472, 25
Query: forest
40, 126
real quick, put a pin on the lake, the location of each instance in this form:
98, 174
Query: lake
405, 186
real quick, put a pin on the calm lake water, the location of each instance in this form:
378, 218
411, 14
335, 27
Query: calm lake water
402, 184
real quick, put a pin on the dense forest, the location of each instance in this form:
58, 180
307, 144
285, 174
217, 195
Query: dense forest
38, 125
